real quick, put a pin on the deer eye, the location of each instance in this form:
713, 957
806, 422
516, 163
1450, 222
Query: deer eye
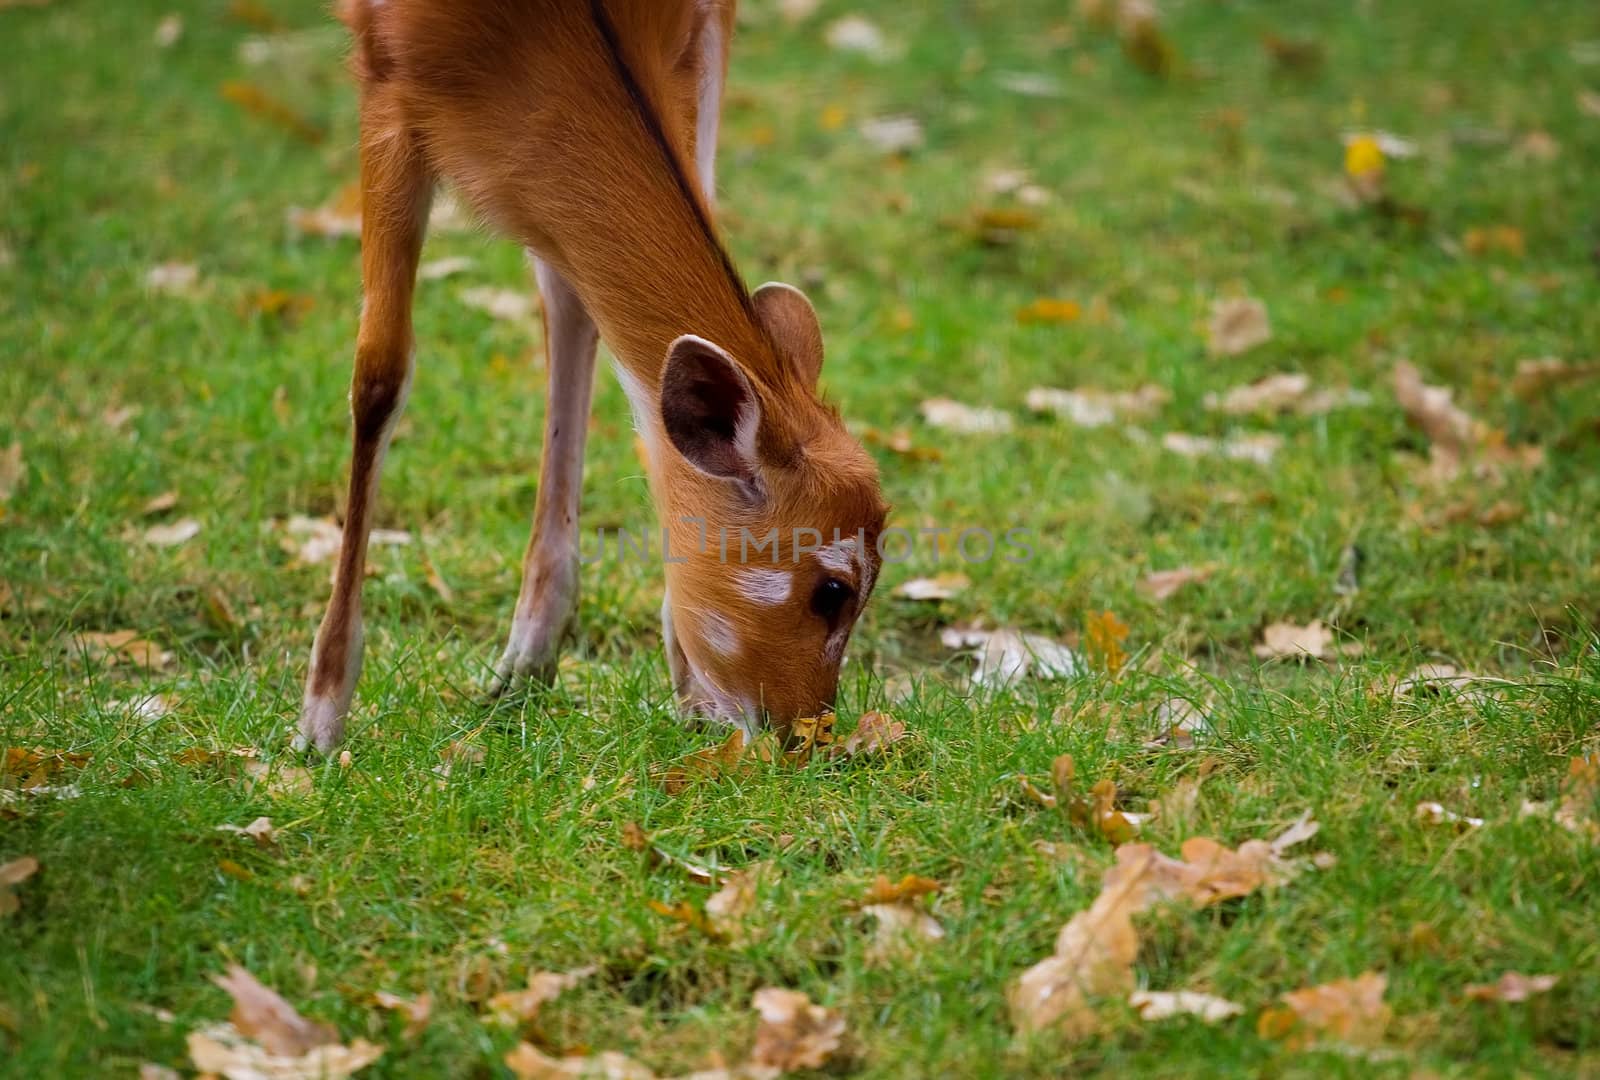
830, 598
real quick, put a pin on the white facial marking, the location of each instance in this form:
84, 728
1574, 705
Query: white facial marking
840, 556
719, 634
766, 587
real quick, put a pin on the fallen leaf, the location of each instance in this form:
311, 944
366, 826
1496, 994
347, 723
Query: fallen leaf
794, 1033
221, 1050
520, 1008
438, 269
1103, 636
528, 1062
173, 278
709, 764
857, 34
1538, 146
909, 887
1237, 325
795, 11
728, 908
875, 732
1001, 226
1260, 448
510, 305
279, 304
939, 587
1005, 656
259, 1013
1163, 584
26, 768
168, 31
252, 99
12, 471
1154, 1005
1580, 797
149, 1070
1090, 408
900, 442
1513, 986
159, 504
1143, 42
417, 1011
1493, 239
12, 874
965, 419
893, 134
260, 830
1284, 640
901, 929
460, 754
1093, 958
1348, 1012
278, 781
122, 647
1533, 377
1045, 310
172, 534
1269, 394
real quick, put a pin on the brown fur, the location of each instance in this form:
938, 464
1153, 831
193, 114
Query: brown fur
569, 126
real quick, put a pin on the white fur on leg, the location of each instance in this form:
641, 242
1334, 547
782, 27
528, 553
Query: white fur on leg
322, 715
539, 628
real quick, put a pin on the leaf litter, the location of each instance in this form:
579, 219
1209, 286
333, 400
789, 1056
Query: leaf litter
266, 1037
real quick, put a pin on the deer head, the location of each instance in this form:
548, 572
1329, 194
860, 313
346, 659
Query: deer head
774, 512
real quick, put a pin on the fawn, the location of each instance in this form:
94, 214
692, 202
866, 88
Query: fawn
586, 131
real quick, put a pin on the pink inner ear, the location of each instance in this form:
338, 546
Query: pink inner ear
709, 409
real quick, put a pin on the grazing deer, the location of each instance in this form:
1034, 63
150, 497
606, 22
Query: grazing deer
586, 131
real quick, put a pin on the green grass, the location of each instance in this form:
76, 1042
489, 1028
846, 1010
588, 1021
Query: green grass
116, 155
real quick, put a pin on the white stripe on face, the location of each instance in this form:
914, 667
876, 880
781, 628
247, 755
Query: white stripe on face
841, 556
718, 633
766, 587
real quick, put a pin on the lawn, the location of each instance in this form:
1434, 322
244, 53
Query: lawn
463, 845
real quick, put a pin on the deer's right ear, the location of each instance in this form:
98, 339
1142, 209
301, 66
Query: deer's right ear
791, 322
710, 411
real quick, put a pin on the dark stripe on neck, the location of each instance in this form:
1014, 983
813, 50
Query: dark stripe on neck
652, 124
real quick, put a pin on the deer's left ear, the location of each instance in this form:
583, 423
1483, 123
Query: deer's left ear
791, 322
710, 411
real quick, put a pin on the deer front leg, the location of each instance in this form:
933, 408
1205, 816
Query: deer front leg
548, 600
395, 196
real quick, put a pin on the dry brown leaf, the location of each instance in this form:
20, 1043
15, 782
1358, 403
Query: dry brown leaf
1046, 310
794, 1033
222, 1050
938, 587
901, 930
909, 887
509, 305
1350, 1012
12, 874
1237, 325
123, 647
1434, 813
1534, 377
965, 419
729, 907
278, 781
1163, 584
173, 533
26, 768
1154, 1005
1290, 641
1007, 655
159, 504
172, 278
1513, 986
857, 34
875, 732
438, 269
149, 1070
259, 1013
1259, 447
12, 471
1091, 408
260, 830
520, 1008
528, 1062
900, 442
709, 764
1103, 636
1580, 797
168, 31
417, 1011
1275, 393
253, 99
893, 134
1093, 958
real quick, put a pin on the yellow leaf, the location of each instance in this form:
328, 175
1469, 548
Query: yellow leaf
1103, 638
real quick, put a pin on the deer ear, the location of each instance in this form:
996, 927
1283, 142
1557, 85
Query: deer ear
710, 411
791, 322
